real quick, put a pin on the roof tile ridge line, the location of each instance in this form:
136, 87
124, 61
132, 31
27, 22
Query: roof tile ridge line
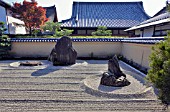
152, 19
142, 9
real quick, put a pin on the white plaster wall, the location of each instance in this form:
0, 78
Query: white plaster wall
3, 17
137, 32
31, 49
84, 49
148, 32
98, 49
139, 53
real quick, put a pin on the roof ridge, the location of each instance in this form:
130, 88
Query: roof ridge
156, 18
143, 10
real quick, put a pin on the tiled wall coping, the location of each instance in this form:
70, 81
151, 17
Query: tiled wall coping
143, 40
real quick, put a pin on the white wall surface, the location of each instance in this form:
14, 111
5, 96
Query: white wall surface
148, 32
139, 53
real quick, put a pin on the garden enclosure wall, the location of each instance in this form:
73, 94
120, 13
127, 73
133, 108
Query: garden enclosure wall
135, 49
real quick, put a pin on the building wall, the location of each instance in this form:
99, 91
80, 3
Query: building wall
162, 27
148, 32
160, 30
139, 53
3, 17
138, 32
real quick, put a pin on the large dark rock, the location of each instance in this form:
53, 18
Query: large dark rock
114, 77
63, 52
114, 69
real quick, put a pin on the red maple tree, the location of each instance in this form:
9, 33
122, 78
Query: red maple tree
34, 16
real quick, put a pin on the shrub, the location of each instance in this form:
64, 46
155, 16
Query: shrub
159, 73
102, 31
64, 32
55, 28
5, 44
51, 26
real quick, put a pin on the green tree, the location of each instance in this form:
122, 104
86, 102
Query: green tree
64, 32
159, 73
102, 31
51, 26
5, 44
56, 28
2, 28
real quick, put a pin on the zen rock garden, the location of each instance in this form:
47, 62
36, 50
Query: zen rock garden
67, 84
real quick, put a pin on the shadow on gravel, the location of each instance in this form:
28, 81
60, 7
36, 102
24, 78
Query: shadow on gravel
135, 74
107, 88
46, 71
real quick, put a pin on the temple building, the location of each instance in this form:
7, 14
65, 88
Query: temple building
13, 25
51, 13
156, 26
116, 16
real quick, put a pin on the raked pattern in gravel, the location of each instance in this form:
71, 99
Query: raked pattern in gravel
47, 88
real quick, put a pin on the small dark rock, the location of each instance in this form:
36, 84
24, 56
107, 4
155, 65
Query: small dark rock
31, 63
114, 77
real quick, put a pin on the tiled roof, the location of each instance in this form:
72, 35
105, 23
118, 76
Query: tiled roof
109, 14
51, 13
162, 18
157, 18
147, 40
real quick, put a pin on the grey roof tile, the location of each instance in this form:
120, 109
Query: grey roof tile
110, 14
157, 18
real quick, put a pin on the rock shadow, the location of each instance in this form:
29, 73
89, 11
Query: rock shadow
96, 61
47, 70
107, 88
133, 73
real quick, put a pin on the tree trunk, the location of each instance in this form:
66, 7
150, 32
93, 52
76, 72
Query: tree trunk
30, 31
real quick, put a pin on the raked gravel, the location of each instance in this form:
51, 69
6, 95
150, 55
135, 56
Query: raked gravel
66, 88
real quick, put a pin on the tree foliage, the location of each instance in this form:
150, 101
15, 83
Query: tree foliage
64, 32
51, 26
56, 29
102, 31
2, 28
159, 73
5, 44
34, 16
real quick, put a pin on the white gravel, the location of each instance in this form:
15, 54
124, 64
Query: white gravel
47, 88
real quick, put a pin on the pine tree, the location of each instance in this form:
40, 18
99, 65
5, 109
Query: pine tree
159, 73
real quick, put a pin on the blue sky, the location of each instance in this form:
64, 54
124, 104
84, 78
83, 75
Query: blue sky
64, 7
